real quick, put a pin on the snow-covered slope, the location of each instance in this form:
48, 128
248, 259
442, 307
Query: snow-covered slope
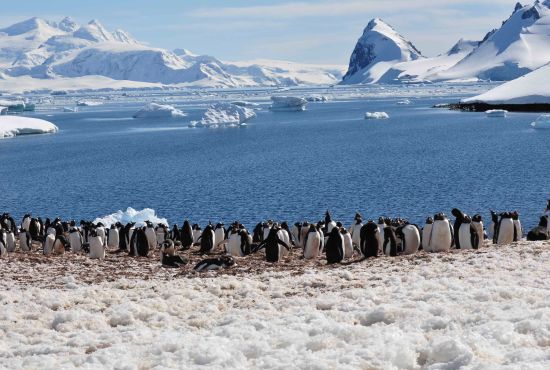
378, 49
45, 50
533, 88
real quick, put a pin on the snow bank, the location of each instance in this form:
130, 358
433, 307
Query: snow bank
496, 113
131, 215
225, 114
376, 115
11, 126
154, 110
542, 122
288, 103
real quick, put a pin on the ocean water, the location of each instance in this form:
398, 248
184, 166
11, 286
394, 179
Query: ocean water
283, 165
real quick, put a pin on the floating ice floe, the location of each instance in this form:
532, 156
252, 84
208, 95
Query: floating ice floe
154, 110
224, 114
70, 110
288, 103
241, 103
542, 122
376, 115
88, 103
496, 113
132, 215
317, 98
11, 126
404, 102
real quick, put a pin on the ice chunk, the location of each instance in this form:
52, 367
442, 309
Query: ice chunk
288, 103
88, 103
317, 98
496, 113
70, 110
11, 126
376, 115
154, 110
224, 114
404, 102
542, 122
241, 103
132, 215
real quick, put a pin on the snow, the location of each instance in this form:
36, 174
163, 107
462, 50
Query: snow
225, 114
288, 103
533, 88
88, 103
154, 110
376, 115
11, 126
542, 122
470, 309
496, 113
404, 102
131, 215
70, 109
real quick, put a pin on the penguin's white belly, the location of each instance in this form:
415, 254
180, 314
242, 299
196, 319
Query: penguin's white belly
26, 224
196, 235
233, 247
479, 231
48, 244
114, 238
356, 234
160, 237
426, 237
441, 238
97, 250
506, 231
75, 242
312, 246
465, 237
380, 239
151, 238
348, 246
24, 242
10, 242
220, 236
412, 239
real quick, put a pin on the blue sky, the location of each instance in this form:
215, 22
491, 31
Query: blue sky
303, 31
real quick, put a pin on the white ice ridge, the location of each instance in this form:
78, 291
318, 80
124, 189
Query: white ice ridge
288, 103
11, 126
132, 215
154, 110
376, 115
225, 114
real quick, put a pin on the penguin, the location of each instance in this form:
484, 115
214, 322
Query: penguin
272, 244
113, 237
35, 229
459, 219
214, 263
26, 222
8, 223
381, 228
390, 242
168, 256
320, 227
25, 241
348, 243
492, 229
285, 237
505, 232
233, 246
161, 232
304, 231
186, 235
355, 230
410, 238
219, 234
197, 232
312, 243
175, 234
75, 239
60, 244
477, 223
517, 225
441, 236
207, 240
257, 233
541, 231
131, 232
296, 234
142, 242
96, 245
426, 232
10, 241
151, 235
3, 251
266, 228
468, 237
246, 241
329, 223
335, 247
370, 239
47, 248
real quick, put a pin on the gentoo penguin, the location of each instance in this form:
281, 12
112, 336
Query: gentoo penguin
296, 234
266, 228
186, 235
75, 238
355, 230
273, 245
492, 229
329, 223
468, 237
283, 234
441, 236
168, 256
207, 240
3, 251
348, 243
161, 232
97, 246
142, 242
219, 234
410, 238
335, 247
233, 246
477, 222
8, 223
312, 243
382, 224
459, 219
304, 231
505, 232
100, 231
426, 232
390, 242
151, 235
257, 233
175, 234
47, 247
541, 231
26, 223
246, 241
25, 241
113, 237
60, 245
369, 239
517, 225
10, 241
214, 263
35, 229
197, 232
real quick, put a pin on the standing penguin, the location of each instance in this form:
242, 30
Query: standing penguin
517, 225
348, 243
355, 230
161, 233
505, 232
175, 234
113, 237
47, 247
410, 238
370, 238
233, 246
390, 242
441, 236
75, 238
477, 222
468, 237
335, 247
35, 230
329, 223
100, 231
3, 251
25, 241
207, 240
143, 242
296, 234
459, 219
272, 245
285, 237
493, 226
312, 243
426, 232
186, 235
26, 222
10, 241
382, 224
197, 232
150, 235
219, 233
97, 246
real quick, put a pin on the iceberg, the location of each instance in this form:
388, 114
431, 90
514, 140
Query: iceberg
376, 115
88, 103
404, 102
241, 103
224, 114
70, 110
542, 122
132, 215
288, 103
154, 110
496, 113
11, 126
317, 98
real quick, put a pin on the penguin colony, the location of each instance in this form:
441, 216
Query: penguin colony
328, 238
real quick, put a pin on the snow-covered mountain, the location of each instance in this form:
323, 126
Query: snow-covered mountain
377, 50
42, 53
519, 46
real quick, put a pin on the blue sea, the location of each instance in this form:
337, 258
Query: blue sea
283, 165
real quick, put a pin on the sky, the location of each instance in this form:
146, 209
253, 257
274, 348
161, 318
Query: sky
308, 31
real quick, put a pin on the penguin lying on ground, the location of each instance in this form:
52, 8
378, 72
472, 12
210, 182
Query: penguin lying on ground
540, 232
168, 256
214, 263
